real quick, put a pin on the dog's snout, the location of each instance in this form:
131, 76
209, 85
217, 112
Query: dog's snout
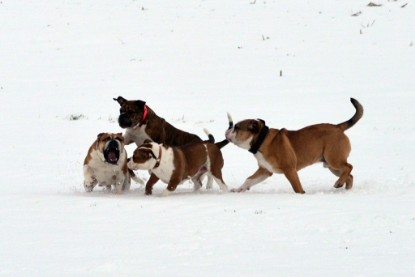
124, 121
113, 144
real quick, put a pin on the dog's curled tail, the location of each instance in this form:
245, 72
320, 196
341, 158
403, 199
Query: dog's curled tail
230, 121
210, 136
225, 142
355, 118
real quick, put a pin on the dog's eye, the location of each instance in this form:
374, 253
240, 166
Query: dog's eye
107, 139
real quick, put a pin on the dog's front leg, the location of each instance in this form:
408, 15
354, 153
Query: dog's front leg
128, 138
150, 183
119, 182
260, 175
292, 176
173, 183
89, 179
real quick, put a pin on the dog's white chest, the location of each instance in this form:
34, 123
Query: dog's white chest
165, 170
103, 171
262, 162
137, 135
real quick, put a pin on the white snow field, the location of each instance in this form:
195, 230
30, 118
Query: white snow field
291, 63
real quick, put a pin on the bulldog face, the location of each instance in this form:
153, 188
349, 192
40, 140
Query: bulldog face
111, 146
244, 132
131, 112
144, 157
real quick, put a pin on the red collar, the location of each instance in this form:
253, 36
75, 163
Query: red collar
143, 119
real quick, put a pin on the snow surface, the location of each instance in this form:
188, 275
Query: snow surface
193, 61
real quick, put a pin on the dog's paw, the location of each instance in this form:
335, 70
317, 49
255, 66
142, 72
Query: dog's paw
88, 188
165, 193
238, 190
89, 184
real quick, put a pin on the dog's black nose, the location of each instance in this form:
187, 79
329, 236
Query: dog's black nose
113, 144
124, 122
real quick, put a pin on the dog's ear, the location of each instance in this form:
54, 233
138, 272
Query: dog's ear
120, 100
100, 135
140, 104
253, 126
263, 121
119, 137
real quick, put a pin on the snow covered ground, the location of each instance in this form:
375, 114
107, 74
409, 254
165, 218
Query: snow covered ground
193, 61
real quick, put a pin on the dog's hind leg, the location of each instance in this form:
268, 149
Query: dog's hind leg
349, 179
197, 184
209, 182
217, 175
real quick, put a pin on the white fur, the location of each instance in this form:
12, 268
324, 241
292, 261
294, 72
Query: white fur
249, 183
210, 178
262, 162
137, 135
106, 174
165, 170
231, 136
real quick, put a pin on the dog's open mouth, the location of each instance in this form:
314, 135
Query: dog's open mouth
112, 152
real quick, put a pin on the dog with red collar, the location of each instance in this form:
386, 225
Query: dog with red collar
141, 122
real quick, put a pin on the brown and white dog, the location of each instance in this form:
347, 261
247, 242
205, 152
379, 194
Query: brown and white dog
106, 164
173, 165
142, 123
285, 151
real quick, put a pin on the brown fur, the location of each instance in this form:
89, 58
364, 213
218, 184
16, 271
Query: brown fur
287, 152
156, 128
189, 161
99, 170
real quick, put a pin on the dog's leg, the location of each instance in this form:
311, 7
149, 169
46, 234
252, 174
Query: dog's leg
349, 182
127, 183
173, 183
217, 175
135, 177
260, 175
119, 182
89, 179
344, 175
150, 183
292, 176
197, 184
209, 182
221, 183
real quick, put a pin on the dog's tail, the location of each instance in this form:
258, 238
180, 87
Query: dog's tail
355, 118
225, 142
230, 121
210, 136
135, 177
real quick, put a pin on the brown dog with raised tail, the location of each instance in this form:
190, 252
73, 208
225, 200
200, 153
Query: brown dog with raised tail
285, 151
